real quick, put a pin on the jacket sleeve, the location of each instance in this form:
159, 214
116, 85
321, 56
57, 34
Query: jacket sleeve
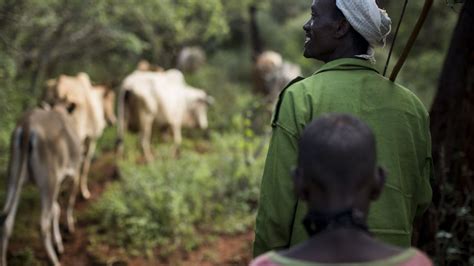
278, 204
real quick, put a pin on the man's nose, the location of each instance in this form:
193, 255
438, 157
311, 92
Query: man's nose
306, 26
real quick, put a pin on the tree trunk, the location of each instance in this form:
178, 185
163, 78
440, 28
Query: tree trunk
257, 45
38, 76
452, 129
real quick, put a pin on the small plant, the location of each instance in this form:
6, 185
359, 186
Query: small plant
166, 203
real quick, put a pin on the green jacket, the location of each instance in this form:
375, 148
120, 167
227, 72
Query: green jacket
401, 126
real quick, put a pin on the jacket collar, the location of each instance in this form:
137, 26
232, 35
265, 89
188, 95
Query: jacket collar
347, 64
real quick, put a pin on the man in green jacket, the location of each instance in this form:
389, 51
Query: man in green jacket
342, 34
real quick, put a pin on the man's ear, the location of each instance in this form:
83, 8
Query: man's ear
380, 177
343, 28
300, 188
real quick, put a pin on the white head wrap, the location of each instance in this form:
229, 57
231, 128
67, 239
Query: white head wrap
369, 20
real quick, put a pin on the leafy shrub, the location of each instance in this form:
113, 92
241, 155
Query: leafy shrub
13, 100
166, 203
227, 79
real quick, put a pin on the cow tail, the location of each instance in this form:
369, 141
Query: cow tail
22, 144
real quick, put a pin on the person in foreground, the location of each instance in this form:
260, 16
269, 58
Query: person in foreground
342, 34
337, 176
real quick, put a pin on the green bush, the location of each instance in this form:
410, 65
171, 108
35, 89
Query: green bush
166, 203
226, 78
11, 102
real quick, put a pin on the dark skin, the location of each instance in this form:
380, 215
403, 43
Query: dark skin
329, 36
344, 244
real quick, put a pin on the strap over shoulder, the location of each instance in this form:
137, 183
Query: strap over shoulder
280, 98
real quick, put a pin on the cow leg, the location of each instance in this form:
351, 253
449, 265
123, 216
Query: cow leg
71, 202
177, 138
46, 178
45, 223
90, 148
16, 178
146, 124
9, 220
57, 234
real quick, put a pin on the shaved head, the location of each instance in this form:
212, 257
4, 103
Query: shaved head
337, 157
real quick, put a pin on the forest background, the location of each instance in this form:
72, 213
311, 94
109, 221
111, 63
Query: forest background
178, 204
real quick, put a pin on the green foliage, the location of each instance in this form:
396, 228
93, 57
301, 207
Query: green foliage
69, 36
427, 57
452, 247
24, 257
226, 79
107, 141
12, 101
237, 16
452, 3
283, 11
166, 203
428, 66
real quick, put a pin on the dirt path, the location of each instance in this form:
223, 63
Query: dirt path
102, 172
223, 250
226, 250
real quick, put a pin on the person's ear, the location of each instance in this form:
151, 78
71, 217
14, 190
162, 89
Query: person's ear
300, 189
343, 28
380, 177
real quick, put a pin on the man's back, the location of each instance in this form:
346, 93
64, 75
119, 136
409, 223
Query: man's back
400, 124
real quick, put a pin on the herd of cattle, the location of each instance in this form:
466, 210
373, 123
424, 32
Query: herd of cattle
57, 140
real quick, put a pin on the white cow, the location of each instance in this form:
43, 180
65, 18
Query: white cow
163, 98
93, 110
46, 149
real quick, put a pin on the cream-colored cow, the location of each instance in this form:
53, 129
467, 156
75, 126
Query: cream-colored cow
162, 98
94, 109
46, 149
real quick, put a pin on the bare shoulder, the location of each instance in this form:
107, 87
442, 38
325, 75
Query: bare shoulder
263, 260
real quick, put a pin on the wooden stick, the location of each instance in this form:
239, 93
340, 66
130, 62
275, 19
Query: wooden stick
411, 41
395, 37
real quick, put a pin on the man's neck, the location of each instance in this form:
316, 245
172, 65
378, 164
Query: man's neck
344, 51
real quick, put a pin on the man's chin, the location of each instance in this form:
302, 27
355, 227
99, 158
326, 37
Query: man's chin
307, 54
